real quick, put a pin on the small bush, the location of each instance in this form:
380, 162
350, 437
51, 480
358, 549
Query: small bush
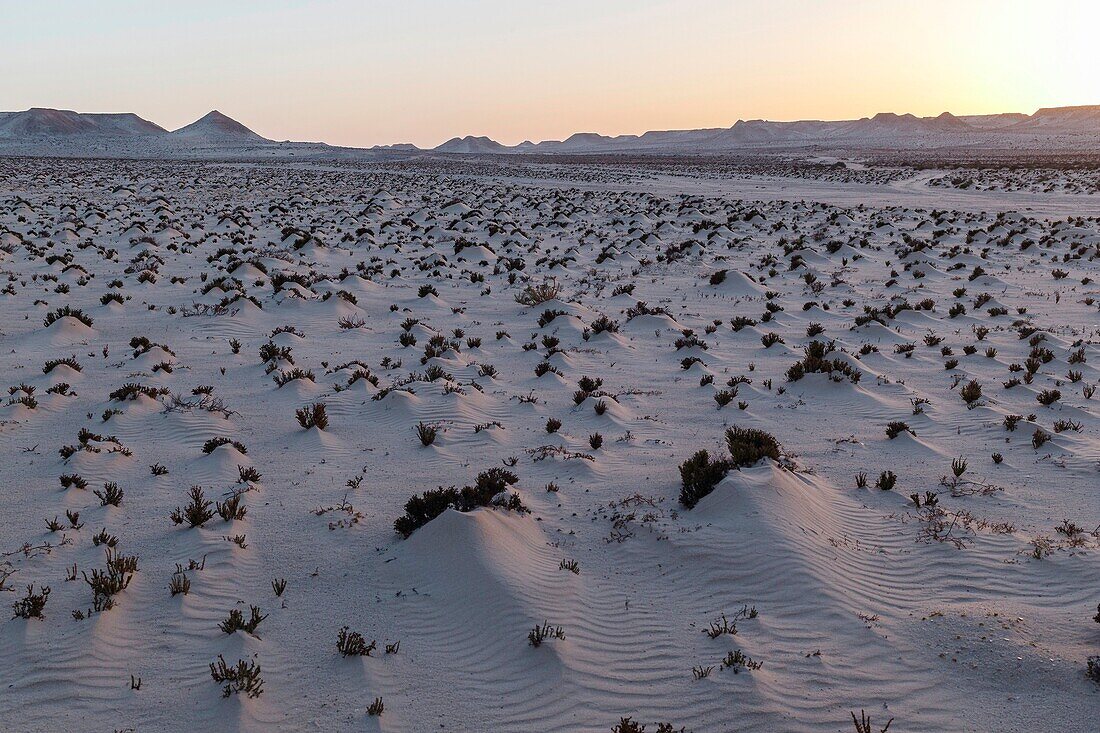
352, 644
313, 416
419, 510
896, 428
1048, 397
32, 604
237, 622
197, 512
426, 433
539, 294
699, 475
244, 677
67, 311
748, 445
971, 392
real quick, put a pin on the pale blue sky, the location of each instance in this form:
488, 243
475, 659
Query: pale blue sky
361, 73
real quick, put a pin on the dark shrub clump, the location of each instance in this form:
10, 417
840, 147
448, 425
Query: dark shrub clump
419, 510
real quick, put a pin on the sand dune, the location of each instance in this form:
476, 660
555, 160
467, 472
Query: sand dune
556, 344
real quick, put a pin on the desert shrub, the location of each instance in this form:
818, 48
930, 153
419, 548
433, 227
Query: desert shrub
244, 677
547, 317
739, 322
273, 352
311, 416
539, 294
426, 433
421, 509
284, 378
69, 481
231, 509
724, 396
815, 360
132, 390
197, 512
748, 445
603, 324
1048, 397
699, 475
111, 495
52, 364
552, 424
65, 310
179, 584
886, 480
248, 474
546, 632
352, 644
214, 443
896, 428
595, 440
236, 621
32, 604
971, 392
1039, 438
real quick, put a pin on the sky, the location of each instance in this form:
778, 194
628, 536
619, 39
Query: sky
423, 71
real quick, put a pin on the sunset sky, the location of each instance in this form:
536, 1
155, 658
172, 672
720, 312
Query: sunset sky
422, 71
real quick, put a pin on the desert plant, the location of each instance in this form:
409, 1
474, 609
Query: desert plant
197, 512
538, 294
971, 391
236, 621
231, 509
539, 634
352, 644
896, 428
111, 494
423, 508
748, 445
313, 416
243, 677
32, 604
67, 311
699, 475
863, 723
426, 433
1048, 397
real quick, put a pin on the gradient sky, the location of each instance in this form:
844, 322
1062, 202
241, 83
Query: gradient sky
421, 71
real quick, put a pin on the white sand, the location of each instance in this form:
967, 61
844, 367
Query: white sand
859, 605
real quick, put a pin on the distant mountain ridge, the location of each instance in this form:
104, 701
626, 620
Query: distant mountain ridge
885, 129
41, 123
42, 131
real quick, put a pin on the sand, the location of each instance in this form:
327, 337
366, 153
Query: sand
972, 615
